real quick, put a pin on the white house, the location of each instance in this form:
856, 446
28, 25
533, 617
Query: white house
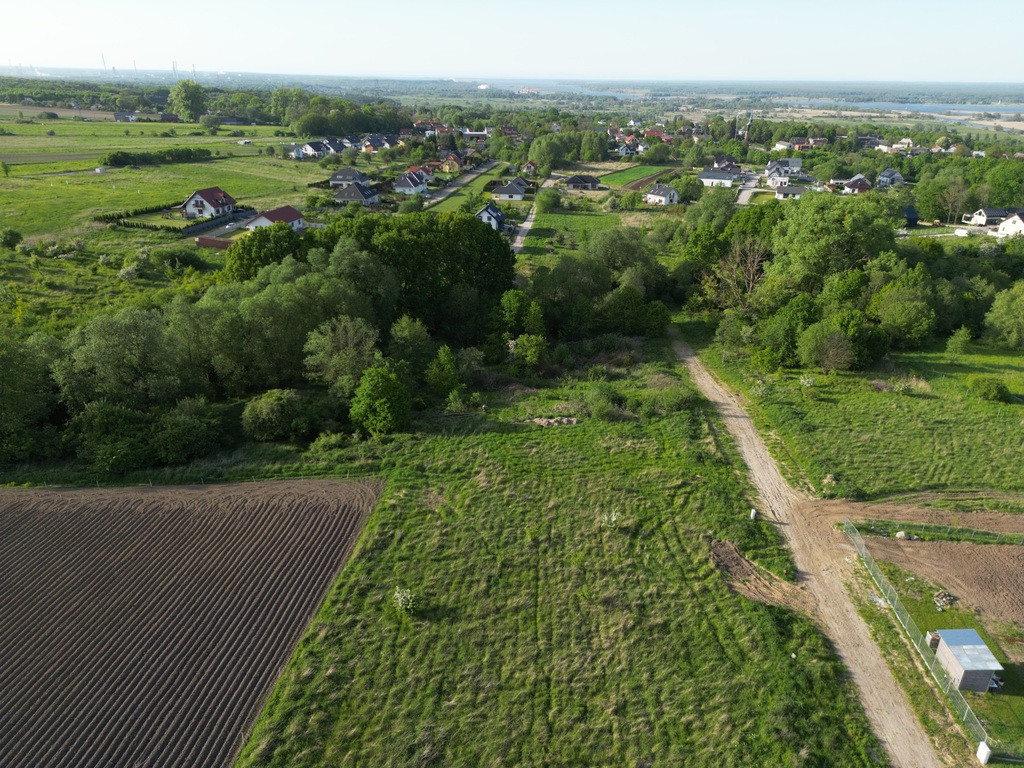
212, 201
1011, 227
781, 146
789, 166
411, 183
776, 178
286, 214
358, 193
717, 178
787, 192
509, 191
661, 194
314, 149
857, 185
986, 217
491, 216
344, 177
888, 178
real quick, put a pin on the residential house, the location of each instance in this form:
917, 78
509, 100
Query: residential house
344, 177
655, 134
556, 127
334, 146
626, 150
169, 117
789, 166
711, 178
358, 193
509, 191
124, 117
286, 213
410, 183
352, 142
529, 168
729, 168
787, 192
520, 181
491, 216
212, 201
776, 178
509, 131
374, 143
904, 144
986, 217
857, 185
1011, 226
582, 182
817, 141
314, 149
888, 178
452, 162
722, 160
782, 146
799, 143
423, 170
661, 194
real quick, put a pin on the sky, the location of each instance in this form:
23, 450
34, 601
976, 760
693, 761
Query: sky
875, 40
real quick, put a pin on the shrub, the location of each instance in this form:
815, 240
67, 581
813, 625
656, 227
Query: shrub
189, 430
382, 403
279, 414
9, 238
990, 388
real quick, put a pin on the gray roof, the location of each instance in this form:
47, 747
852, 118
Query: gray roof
717, 175
582, 180
969, 649
494, 211
661, 190
358, 192
890, 173
349, 174
509, 189
410, 180
788, 190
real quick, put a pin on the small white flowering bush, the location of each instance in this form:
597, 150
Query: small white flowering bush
404, 600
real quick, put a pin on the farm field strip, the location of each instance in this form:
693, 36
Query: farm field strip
98, 666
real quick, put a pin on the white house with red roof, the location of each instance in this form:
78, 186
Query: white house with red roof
203, 203
285, 213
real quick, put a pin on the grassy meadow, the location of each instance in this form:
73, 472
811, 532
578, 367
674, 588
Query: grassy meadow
876, 442
557, 233
565, 609
472, 189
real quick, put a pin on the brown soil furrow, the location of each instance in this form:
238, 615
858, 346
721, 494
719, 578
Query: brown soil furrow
147, 626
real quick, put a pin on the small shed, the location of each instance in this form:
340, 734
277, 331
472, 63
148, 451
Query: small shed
964, 655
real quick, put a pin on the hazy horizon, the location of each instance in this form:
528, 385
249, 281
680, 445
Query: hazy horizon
918, 42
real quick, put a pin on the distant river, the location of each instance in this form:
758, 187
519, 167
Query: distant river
960, 109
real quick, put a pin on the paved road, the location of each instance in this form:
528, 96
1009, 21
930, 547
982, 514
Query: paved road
451, 189
825, 561
524, 229
747, 189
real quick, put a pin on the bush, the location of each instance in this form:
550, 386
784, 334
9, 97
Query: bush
189, 430
9, 238
382, 403
279, 414
990, 388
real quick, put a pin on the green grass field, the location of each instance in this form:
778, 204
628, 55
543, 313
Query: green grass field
561, 232
471, 189
877, 443
566, 610
622, 178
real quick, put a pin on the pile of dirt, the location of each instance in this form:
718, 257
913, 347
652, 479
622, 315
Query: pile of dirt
751, 581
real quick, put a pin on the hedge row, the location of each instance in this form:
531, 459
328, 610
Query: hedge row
175, 155
127, 214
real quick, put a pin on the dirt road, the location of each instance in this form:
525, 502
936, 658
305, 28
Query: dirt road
519, 242
825, 561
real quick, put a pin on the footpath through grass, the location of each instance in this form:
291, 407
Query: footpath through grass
566, 612
855, 434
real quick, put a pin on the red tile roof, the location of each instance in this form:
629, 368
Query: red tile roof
285, 213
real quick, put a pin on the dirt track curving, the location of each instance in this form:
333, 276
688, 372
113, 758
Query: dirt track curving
825, 561
145, 627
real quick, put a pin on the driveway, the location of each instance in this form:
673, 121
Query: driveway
519, 241
464, 179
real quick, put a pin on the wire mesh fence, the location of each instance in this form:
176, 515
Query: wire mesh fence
972, 726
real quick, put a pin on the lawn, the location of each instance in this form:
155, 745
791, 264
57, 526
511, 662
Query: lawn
565, 610
560, 232
875, 442
1002, 712
469, 190
622, 178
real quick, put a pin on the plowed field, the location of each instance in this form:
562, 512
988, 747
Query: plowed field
145, 627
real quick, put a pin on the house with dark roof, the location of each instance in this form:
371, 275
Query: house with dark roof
582, 182
711, 178
1011, 226
452, 161
410, 183
509, 191
285, 214
314, 149
723, 160
890, 177
374, 143
212, 201
788, 166
334, 146
857, 185
986, 217
343, 177
661, 194
492, 216
358, 193
787, 192
520, 181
